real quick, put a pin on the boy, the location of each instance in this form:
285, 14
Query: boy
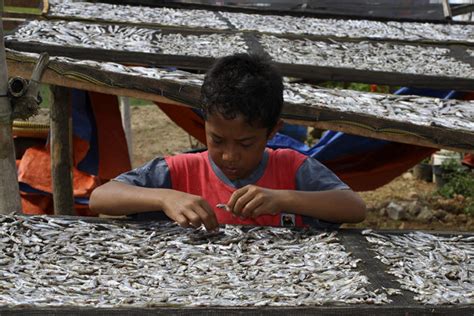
242, 99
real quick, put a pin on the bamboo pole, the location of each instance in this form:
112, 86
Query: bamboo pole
9, 190
126, 123
61, 151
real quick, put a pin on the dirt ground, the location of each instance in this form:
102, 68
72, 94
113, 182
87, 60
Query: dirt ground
154, 134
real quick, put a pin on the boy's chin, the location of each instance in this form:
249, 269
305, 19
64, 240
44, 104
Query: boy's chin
233, 174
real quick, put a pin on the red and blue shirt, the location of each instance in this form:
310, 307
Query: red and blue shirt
196, 173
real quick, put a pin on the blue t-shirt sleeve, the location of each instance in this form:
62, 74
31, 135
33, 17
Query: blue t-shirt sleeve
314, 176
153, 174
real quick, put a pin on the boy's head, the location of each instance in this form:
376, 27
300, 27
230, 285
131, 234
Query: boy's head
246, 85
242, 98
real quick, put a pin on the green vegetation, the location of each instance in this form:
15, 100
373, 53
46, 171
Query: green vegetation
364, 87
22, 10
45, 94
460, 181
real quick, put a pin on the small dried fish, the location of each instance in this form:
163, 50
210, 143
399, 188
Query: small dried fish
438, 269
138, 14
223, 206
49, 261
345, 28
406, 31
126, 38
365, 55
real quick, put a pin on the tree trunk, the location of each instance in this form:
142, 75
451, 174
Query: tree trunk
9, 191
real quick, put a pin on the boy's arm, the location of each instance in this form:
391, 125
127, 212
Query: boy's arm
116, 198
336, 206
319, 193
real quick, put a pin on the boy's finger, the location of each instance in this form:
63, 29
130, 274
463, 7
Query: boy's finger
260, 210
182, 221
193, 218
242, 202
210, 216
250, 207
205, 218
235, 196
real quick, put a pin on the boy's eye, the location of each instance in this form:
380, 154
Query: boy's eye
216, 140
246, 145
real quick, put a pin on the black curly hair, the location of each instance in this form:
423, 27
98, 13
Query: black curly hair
244, 84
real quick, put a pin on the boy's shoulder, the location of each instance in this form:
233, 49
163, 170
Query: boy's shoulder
190, 159
286, 153
286, 157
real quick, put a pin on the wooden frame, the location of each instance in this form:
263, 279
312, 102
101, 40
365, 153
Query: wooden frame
92, 79
310, 72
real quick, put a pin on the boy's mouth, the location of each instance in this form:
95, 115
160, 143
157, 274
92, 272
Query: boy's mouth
231, 171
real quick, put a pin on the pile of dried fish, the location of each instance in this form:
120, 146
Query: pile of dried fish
417, 110
126, 38
177, 76
48, 261
438, 269
386, 57
138, 14
408, 31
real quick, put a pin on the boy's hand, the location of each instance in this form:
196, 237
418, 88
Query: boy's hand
189, 210
252, 201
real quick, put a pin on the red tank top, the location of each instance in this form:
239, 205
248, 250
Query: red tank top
193, 173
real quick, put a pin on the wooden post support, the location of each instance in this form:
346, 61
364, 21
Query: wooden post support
447, 10
61, 151
126, 123
9, 191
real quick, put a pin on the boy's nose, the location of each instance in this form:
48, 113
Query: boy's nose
230, 155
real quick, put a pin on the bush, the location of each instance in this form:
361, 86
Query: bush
460, 181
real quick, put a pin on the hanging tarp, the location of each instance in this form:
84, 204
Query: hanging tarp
99, 153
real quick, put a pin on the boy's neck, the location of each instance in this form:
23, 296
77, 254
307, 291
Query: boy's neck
251, 179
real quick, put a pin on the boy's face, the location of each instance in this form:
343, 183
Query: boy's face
235, 146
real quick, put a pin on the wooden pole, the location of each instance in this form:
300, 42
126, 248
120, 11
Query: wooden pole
61, 151
9, 191
126, 123
447, 10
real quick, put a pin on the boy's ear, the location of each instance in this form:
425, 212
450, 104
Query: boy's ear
276, 128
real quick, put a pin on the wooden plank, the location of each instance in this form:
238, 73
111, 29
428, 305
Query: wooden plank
9, 190
320, 73
61, 151
310, 72
368, 126
88, 78
461, 9
10, 24
355, 310
108, 83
